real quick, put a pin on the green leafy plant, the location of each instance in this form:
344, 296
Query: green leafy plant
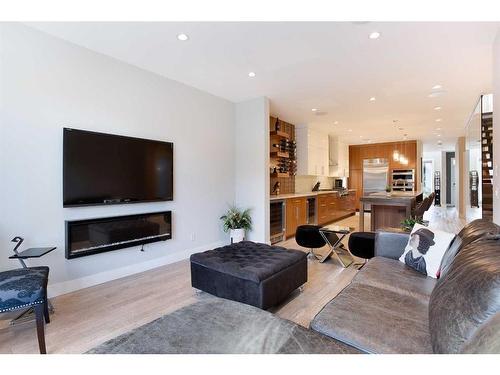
388, 189
235, 218
408, 224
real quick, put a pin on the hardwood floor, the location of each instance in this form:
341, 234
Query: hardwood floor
88, 317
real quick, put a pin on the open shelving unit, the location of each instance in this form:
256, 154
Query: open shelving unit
282, 155
487, 164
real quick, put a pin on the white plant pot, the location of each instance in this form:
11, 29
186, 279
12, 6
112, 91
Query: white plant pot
237, 235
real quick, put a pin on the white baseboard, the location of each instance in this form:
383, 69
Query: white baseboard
102, 277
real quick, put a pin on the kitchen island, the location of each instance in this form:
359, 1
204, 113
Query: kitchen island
388, 210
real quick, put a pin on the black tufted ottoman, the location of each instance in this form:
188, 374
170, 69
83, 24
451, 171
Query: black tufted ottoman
253, 273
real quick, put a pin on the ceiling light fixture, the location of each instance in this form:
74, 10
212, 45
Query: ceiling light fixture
372, 99
437, 87
251, 74
314, 109
182, 37
437, 108
374, 35
350, 130
438, 120
438, 129
335, 122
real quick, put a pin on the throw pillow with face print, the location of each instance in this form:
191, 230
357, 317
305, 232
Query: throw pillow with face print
425, 249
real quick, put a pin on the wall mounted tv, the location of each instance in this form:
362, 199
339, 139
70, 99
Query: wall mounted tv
103, 168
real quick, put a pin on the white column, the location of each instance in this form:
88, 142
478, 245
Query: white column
252, 164
460, 176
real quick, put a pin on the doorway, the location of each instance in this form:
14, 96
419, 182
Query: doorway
451, 187
428, 171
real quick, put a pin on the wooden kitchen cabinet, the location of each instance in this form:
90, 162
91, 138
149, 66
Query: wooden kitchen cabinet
356, 182
296, 214
322, 207
357, 153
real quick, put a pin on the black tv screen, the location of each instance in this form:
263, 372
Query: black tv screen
110, 169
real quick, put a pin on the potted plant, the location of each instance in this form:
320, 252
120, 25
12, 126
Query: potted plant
408, 224
388, 190
236, 222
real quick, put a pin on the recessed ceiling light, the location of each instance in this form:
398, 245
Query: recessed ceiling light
251, 74
335, 122
435, 94
374, 35
439, 135
182, 37
350, 130
437, 87
437, 108
438, 120
372, 99
314, 109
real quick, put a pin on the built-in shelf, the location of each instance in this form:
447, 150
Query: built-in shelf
278, 133
280, 154
280, 174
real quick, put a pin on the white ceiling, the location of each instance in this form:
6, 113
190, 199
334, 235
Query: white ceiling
331, 66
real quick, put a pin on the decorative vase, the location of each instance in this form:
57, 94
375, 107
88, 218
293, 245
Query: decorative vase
237, 235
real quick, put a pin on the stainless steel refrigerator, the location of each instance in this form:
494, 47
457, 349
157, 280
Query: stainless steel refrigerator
375, 174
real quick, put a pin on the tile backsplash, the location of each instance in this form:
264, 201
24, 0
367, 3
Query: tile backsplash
304, 184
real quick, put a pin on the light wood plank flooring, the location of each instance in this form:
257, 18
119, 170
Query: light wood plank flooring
88, 317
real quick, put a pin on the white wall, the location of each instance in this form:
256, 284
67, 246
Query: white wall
47, 84
496, 130
251, 144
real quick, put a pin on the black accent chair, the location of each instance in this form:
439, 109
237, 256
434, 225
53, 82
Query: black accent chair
309, 236
362, 244
23, 288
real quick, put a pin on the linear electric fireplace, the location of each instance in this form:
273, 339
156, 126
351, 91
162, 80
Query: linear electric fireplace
92, 236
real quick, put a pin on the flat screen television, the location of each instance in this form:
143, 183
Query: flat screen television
103, 168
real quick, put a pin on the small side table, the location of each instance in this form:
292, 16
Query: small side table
34, 252
333, 237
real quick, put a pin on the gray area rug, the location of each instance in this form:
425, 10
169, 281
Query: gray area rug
215, 325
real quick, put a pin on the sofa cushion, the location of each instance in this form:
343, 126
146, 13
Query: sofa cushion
466, 296
392, 275
213, 325
486, 340
249, 260
471, 232
376, 320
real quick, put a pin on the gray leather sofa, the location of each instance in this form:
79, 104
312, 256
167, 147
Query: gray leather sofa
390, 308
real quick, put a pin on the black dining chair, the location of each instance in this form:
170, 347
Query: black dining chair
25, 288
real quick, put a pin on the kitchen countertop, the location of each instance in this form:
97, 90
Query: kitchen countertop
309, 194
394, 196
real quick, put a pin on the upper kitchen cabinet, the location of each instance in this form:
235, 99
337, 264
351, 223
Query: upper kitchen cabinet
312, 152
338, 157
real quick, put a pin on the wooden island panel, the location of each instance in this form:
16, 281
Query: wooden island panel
388, 211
